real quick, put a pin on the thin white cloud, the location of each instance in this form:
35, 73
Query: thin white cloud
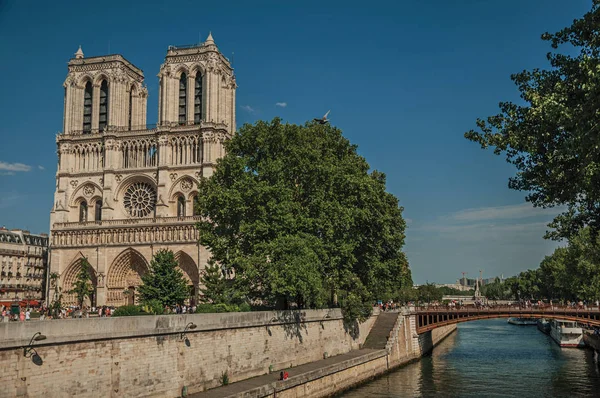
510, 212
248, 108
14, 166
281, 104
9, 199
41, 168
8, 173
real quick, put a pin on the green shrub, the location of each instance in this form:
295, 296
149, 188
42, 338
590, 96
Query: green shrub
224, 379
211, 308
129, 310
154, 307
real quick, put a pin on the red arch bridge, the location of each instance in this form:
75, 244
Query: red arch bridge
428, 318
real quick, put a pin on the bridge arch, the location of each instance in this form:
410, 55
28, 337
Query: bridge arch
428, 319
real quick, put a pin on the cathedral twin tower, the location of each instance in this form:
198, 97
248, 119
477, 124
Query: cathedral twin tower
124, 189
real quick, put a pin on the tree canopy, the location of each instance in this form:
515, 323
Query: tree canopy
553, 135
295, 212
164, 282
82, 287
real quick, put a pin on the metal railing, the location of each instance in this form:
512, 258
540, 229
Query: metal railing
503, 308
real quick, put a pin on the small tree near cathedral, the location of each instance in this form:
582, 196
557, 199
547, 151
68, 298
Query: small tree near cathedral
82, 287
164, 282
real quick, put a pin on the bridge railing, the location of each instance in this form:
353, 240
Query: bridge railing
506, 308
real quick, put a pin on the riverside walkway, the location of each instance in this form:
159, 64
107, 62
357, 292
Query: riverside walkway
270, 384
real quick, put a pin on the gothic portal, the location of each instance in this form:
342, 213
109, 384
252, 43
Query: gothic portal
125, 189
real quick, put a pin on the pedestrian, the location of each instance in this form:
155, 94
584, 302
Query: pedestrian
27, 315
22, 316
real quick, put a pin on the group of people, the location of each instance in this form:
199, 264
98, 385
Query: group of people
23, 315
388, 306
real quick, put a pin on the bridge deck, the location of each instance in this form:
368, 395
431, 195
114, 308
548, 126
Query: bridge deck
429, 318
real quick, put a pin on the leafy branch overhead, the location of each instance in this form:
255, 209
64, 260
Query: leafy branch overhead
553, 135
296, 213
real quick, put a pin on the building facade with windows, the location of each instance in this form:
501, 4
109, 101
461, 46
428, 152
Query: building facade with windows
125, 189
24, 260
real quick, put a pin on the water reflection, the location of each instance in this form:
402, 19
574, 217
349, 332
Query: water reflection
492, 359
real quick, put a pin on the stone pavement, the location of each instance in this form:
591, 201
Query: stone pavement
266, 384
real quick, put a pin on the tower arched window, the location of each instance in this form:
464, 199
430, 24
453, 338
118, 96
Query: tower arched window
196, 211
87, 107
182, 98
103, 115
198, 99
83, 210
130, 106
180, 206
98, 210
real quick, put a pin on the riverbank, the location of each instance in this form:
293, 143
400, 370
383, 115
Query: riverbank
337, 374
490, 358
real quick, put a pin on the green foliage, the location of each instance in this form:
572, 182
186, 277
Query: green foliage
154, 307
497, 290
553, 138
406, 294
56, 304
296, 213
222, 307
428, 293
129, 310
218, 289
224, 379
570, 273
450, 291
82, 287
163, 282
354, 308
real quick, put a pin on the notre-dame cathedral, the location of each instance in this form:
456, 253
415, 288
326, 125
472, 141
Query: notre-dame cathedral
125, 189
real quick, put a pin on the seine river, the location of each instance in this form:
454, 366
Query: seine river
492, 359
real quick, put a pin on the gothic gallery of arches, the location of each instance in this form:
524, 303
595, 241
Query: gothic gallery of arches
125, 276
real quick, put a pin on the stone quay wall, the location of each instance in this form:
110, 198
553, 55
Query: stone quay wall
404, 346
146, 355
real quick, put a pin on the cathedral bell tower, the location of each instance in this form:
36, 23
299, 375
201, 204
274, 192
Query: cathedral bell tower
124, 189
196, 84
102, 93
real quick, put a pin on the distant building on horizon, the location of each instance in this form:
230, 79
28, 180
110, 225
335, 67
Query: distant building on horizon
24, 262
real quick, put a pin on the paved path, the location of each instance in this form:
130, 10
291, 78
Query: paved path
270, 381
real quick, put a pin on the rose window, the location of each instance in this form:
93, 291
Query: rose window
139, 199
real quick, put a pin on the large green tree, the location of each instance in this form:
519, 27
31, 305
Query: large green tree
296, 212
552, 136
164, 282
82, 287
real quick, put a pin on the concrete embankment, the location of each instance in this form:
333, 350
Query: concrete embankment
392, 342
163, 356
591, 340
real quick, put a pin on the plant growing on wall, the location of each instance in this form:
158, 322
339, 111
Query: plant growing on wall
164, 282
82, 287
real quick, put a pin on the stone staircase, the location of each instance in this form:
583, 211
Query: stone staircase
380, 332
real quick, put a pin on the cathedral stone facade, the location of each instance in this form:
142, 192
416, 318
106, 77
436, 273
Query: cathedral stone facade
125, 189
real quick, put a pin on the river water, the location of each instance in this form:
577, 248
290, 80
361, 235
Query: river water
492, 359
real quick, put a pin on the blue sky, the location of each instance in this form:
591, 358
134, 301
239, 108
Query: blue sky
403, 79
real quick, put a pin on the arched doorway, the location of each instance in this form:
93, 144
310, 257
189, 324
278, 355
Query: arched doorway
131, 295
68, 280
124, 276
190, 272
